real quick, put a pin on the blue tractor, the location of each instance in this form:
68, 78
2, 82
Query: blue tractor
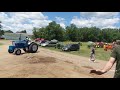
27, 46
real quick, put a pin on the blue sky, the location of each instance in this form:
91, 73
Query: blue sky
17, 21
67, 15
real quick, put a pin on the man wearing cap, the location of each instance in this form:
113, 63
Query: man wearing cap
115, 57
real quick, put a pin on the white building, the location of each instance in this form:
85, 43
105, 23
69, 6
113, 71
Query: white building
15, 36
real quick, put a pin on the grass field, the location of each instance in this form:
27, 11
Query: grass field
84, 51
1, 44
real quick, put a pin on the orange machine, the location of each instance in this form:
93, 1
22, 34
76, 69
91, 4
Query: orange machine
108, 47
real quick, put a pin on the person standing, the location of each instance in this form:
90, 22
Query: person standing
92, 54
115, 58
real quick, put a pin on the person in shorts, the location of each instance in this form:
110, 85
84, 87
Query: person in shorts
92, 54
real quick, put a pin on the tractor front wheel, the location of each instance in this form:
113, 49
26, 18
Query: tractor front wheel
10, 51
17, 51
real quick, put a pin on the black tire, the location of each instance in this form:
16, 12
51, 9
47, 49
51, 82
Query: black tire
10, 51
33, 48
17, 51
26, 49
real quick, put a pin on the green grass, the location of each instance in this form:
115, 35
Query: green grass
84, 51
0, 43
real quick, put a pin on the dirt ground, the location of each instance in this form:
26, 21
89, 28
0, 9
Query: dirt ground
47, 64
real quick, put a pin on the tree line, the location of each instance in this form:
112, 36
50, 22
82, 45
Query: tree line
73, 33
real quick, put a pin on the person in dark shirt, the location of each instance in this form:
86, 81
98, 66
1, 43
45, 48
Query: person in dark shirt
115, 58
92, 54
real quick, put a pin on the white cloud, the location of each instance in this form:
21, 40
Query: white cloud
98, 19
60, 21
99, 14
62, 25
112, 27
16, 21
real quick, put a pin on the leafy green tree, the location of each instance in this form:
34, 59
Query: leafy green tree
8, 31
52, 31
72, 32
35, 33
1, 31
23, 31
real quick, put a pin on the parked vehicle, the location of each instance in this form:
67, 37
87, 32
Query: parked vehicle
39, 39
99, 44
45, 43
1, 37
51, 43
41, 42
71, 47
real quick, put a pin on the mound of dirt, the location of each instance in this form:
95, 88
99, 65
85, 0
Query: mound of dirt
39, 59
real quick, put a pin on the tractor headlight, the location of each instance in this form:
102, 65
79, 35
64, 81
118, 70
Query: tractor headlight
29, 43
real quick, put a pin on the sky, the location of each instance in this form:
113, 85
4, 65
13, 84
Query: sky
17, 21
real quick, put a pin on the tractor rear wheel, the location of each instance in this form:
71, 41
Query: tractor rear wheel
33, 48
17, 51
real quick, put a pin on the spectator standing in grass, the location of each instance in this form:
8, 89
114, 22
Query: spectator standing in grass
92, 54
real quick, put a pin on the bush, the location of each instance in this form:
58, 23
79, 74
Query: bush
91, 44
59, 46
